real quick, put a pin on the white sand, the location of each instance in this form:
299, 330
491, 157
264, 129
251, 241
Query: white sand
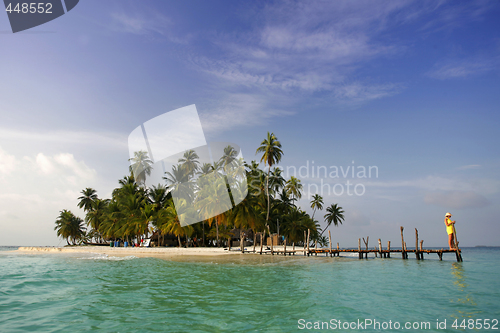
134, 251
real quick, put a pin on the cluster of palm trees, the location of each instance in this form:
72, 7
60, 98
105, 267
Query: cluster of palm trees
267, 202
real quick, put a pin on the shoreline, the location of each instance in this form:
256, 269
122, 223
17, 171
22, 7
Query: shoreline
134, 251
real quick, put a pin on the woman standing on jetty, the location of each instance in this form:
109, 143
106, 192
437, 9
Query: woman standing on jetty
450, 228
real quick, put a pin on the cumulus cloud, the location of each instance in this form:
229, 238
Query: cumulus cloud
63, 165
36, 189
456, 199
7, 163
44, 164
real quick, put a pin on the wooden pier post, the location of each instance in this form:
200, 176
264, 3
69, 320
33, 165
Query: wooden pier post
308, 234
330, 241
242, 245
417, 253
403, 253
338, 250
272, 248
388, 249
380, 247
254, 241
366, 244
458, 252
422, 249
359, 249
261, 240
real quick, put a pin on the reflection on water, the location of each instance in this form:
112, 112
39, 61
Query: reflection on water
457, 271
460, 282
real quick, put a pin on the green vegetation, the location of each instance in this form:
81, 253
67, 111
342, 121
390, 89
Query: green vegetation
135, 212
70, 227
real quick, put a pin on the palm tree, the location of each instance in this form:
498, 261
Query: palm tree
294, 188
295, 223
276, 180
69, 226
335, 215
170, 224
228, 157
316, 203
206, 168
211, 203
180, 182
95, 217
141, 166
271, 154
87, 199
158, 196
190, 162
245, 214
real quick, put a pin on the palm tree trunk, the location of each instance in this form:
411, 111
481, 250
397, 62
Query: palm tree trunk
203, 232
267, 192
217, 230
179, 239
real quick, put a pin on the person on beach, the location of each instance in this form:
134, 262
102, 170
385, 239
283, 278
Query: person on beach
450, 226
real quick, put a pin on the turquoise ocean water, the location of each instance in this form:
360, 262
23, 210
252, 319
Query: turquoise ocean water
86, 293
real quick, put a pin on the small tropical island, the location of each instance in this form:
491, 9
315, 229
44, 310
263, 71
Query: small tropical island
138, 215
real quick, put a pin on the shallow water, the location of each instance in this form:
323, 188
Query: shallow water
87, 292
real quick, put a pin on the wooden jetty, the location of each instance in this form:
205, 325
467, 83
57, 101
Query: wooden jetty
379, 251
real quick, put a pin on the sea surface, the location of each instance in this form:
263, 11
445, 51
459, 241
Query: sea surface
58, 292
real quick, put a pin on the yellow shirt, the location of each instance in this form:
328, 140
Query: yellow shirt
449, 228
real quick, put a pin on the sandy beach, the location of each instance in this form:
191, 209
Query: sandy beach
134, 251
138, 251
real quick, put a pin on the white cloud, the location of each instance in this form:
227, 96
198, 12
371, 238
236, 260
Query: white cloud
78, 169
239, 110
306, 48
146, 22
7, 163
361, 92
140, 24
462, 68
35, 191
469, 167
63, 167
44, 164
107, 140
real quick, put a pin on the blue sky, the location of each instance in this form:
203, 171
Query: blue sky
410, 87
